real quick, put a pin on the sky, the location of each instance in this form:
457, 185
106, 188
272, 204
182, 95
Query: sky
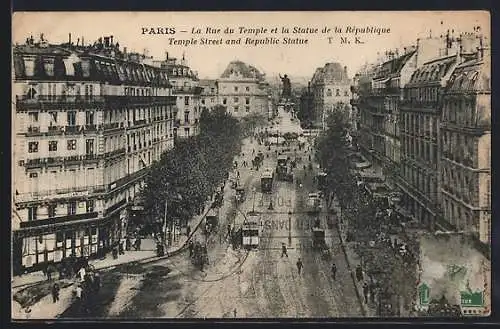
298, 60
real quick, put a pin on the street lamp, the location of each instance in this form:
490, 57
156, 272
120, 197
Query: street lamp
254, 190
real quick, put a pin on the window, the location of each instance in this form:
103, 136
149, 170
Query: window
328, 92
32, 213
89, 118
224, 101
52, 146
236, 100
247, 109
89, 146
51, 210
247, 100
203, 101
33, 117
186, 117
33, 147
186, 100
72, 144
53, 117
346, 93
31, 93
90, 205
212, 99
212, 90
236, 109
235, 89
72, 208
186, 131
338, 92
247, 88
71, 118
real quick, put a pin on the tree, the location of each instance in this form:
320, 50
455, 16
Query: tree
186, 175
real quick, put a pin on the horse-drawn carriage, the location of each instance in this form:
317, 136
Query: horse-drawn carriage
240, 195
319, 242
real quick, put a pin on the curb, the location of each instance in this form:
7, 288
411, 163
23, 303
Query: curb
364, 307
145, 260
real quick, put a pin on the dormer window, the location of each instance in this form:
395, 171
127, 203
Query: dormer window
29, 66
31, 94
86, 68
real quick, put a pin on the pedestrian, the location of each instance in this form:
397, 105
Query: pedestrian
191, 248
81, 273
55, 292
79, 291
299, 265
49, 270
128, 243
365, 292
334, 271
359, 273
228, 230
97, 282
283, 250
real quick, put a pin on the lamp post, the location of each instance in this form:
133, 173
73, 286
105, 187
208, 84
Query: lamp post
253, 203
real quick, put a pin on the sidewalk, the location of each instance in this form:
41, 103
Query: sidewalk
353, 261
148, 253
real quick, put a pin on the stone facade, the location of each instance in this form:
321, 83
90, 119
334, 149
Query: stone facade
87, 124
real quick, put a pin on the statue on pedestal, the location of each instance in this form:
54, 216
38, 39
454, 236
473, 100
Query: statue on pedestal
287, 88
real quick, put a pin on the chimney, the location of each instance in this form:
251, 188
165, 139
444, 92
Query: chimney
125, 50
69, 39
83, 42
77, 42
404, 50
106, 42
345, 70
111, 40
166, 55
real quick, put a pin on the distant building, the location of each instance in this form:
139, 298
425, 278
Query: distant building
185, 87
88, 122
466, 148
306, 107
330, 87
243, 90
210, 93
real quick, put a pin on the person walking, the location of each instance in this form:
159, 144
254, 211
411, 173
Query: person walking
283, 250
359, 273
299, 265
334, 271
55, 292
79, 291
365, 292
97, 282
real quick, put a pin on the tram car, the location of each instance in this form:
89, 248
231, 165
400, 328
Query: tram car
250, 232
266, 182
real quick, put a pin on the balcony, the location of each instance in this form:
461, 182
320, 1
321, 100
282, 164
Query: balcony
412, 105
140, 100
91, 127
72, 129
58, 220
111, 126
55, 130
58, 102
196, 90
33, 131
140, 122
115, 207
114, 153
59, 193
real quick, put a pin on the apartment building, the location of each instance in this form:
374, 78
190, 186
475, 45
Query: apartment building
88, 121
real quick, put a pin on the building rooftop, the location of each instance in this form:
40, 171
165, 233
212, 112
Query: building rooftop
394, 66
238, 69
472, 76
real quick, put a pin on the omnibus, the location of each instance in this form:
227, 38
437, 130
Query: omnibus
266, 182
250, 232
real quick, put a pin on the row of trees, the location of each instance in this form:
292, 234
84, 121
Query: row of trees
358, 210
187, 175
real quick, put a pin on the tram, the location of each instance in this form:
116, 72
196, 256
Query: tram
266, 182
250, 232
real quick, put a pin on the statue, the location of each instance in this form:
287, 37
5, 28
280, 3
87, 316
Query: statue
287, 89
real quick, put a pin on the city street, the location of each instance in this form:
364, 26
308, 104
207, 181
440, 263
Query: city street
237, 283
